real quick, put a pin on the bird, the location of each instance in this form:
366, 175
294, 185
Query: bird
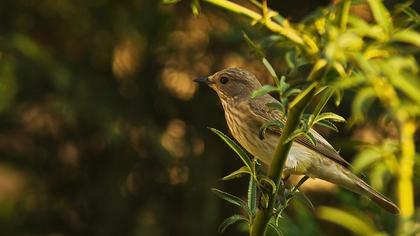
245, 116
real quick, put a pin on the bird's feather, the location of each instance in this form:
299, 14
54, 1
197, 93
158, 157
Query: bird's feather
322, 146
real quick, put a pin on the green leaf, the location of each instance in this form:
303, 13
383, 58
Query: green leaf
327, 93
381, 14
267, 184
262, 57
329, 116
310, 137
270, 69
274, 227
267, 125
283, 85
407, 36
293, 91
361, 102
327, 124
235, 147
229, 221
364, 159
253, 46
170, 1
195, 7
302, 94
232, 199
276, 106
358, 224
305, 199
252, 196
264, 90
238, 173
294, 135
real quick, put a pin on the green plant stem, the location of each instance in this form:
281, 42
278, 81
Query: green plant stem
405, 184
259, 225
285, 30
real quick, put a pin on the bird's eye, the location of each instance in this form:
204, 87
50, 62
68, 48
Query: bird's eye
224, 79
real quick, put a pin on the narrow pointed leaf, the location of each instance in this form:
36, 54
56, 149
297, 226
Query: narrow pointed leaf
237, 173
267, 125
328, 124
232, 199
302, 94
381, 14
252, 196
270, 69
276, 106
267, 184
359, 226
264, 90
310, 137
329, 116
407, 36
294, 135
229, 221
274, 227
305, 199
235, 147
291, 92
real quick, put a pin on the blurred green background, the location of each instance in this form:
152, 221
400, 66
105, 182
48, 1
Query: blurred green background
103, 132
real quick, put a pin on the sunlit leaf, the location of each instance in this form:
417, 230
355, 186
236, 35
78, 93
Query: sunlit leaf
356, 224
170, 1
329, 116
230, 221
364, 159
361, 102
302, 94
195, 7
407, 36
381, 14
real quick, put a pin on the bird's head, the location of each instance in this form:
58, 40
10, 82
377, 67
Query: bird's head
232, 83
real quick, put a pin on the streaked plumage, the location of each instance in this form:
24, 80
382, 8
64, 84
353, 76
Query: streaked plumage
245, 116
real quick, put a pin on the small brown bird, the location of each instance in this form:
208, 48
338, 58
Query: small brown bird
245, 116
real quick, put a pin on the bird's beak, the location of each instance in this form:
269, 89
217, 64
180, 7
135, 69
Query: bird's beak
204, 80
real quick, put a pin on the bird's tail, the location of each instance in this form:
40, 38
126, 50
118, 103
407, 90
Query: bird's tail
344, 177
364, 189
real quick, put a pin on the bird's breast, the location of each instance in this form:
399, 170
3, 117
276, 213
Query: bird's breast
245, 126
245, 129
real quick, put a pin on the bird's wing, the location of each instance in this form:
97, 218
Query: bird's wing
322, 146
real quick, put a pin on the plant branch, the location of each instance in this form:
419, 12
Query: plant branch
405, 185
284, 29
259, 226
